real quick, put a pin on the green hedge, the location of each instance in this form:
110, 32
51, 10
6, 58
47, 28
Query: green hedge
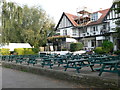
64, 49
76, 46
99, 50
107, 46
28, 51
117, 52
5, 51
24, 51
20, 51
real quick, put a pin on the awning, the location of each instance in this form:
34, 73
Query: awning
71, 40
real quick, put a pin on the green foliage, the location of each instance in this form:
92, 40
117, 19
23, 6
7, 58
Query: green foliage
5, 51
99, 50
107, 46
76, 46
64, 49
24, 51
118, 8
28, 51
117, 52
25, 24
36, 49
11, 22
20, 51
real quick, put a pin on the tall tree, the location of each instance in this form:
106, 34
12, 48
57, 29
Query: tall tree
36, 25
25, 24
11, 22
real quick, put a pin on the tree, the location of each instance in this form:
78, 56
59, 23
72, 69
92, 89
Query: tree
36, 25
11, 22
25, 24
118, 6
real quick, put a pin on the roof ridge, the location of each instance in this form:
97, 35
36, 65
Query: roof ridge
71, 17
101, 10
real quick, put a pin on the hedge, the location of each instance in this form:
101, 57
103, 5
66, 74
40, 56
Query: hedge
24, 51
20, 51
117, 52
99, 50
28, 51
5, 51
76, 46
107, 46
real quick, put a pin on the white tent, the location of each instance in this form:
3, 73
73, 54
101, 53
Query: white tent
12, 46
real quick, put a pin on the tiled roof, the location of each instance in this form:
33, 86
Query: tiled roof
103, 12
72, 18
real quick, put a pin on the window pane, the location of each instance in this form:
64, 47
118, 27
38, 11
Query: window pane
99, 43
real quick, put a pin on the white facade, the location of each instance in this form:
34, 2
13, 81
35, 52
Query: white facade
91, 35
112, 17
72, 32
64, 22
66, 28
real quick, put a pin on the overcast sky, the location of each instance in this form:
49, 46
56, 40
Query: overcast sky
55, 8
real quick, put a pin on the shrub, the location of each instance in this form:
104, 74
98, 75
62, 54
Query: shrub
76, 46
117, 52
36, 49
24, 51
64, 49
28, 51
107, 46
5, 51
99, 50
20, 51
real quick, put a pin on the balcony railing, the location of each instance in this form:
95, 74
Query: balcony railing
104, 31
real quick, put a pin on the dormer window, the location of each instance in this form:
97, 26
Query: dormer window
94, 16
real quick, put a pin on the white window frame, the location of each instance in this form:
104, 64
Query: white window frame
74, 32
65, 32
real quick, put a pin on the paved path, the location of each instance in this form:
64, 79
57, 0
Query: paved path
17, 79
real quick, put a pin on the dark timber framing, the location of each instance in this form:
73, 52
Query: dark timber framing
111, 15
61, 20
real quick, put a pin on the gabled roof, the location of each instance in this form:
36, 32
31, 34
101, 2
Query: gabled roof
100, 20
72, 18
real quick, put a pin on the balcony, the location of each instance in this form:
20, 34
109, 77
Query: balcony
104, 31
